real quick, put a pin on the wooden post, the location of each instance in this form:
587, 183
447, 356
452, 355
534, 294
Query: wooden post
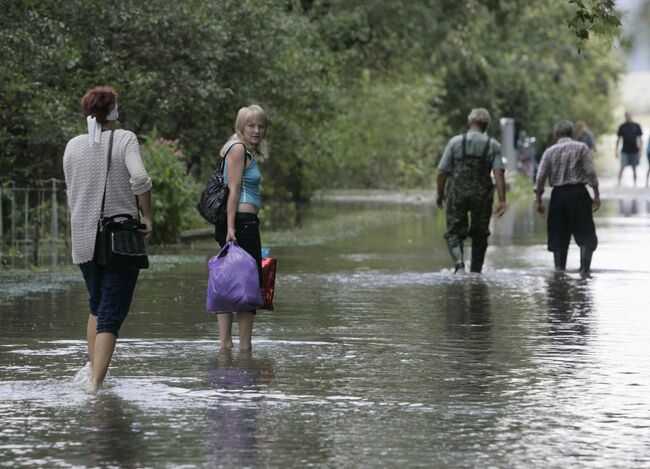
1, 227
26, 217
54, 229
26, 226
13, 213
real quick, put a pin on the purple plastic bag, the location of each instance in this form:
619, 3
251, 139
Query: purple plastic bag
233, 281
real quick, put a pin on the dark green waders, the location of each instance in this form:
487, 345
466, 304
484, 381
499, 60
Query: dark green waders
470, 191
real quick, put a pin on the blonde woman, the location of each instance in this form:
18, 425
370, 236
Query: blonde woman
245, 148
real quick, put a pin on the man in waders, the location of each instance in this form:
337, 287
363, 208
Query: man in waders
568, 165
467, 162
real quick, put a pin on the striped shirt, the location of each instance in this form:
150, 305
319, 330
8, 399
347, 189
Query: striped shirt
566, 162
85, 173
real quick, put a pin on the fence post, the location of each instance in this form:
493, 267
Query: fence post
13, 213
26, 225
26, 232
1, 227
54, 229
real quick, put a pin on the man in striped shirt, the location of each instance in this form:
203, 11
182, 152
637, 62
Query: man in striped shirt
569, 167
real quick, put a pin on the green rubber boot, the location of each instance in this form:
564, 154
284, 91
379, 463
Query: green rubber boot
457, 256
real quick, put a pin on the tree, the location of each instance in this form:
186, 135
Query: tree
359, 92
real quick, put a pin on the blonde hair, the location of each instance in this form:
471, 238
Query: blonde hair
244, 116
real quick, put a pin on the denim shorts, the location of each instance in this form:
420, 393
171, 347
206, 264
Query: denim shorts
629, 159
109, 293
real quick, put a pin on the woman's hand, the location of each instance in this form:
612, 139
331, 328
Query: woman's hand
230, 236
148, 223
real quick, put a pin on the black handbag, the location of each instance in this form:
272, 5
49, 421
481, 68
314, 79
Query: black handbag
214, 198
119, 243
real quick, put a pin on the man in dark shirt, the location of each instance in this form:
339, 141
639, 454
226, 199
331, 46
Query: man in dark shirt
630, 132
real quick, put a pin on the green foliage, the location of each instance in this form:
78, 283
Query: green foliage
387, 136
598, 16
523, 66
174, 195
509, 56
183, 67
359, 92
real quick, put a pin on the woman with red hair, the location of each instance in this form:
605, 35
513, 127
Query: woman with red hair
88, 176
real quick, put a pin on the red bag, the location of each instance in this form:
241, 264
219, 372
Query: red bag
268, 282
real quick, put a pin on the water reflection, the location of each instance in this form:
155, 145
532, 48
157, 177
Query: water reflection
467, 308
569, 308
235, 422
631, 207
112, 438
628, 207
467, 314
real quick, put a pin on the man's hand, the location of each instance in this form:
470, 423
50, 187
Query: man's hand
501, 209
595, 204
440, 201
540, 208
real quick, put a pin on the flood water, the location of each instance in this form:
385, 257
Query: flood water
376, 356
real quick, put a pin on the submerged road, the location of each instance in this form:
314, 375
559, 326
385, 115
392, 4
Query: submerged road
376, 356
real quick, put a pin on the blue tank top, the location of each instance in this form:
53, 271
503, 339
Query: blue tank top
250, 185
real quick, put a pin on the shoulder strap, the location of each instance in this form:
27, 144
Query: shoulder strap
486, 150
108, 168
464, 148
247, 154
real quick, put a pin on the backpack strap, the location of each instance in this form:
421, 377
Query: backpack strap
247, 154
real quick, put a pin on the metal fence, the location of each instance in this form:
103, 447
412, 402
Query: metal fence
34, 223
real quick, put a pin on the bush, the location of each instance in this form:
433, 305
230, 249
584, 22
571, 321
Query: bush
174, 195
387, 135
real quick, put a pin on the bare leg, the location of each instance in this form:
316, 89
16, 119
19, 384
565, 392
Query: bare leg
634, 175
91, 333
225, 326
246, 320
620, 175
102, 354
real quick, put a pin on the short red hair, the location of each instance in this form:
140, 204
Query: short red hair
99, 102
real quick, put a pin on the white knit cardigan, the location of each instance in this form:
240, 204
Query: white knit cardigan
84, 166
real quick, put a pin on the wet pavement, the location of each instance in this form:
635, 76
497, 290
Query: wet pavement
376, 356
